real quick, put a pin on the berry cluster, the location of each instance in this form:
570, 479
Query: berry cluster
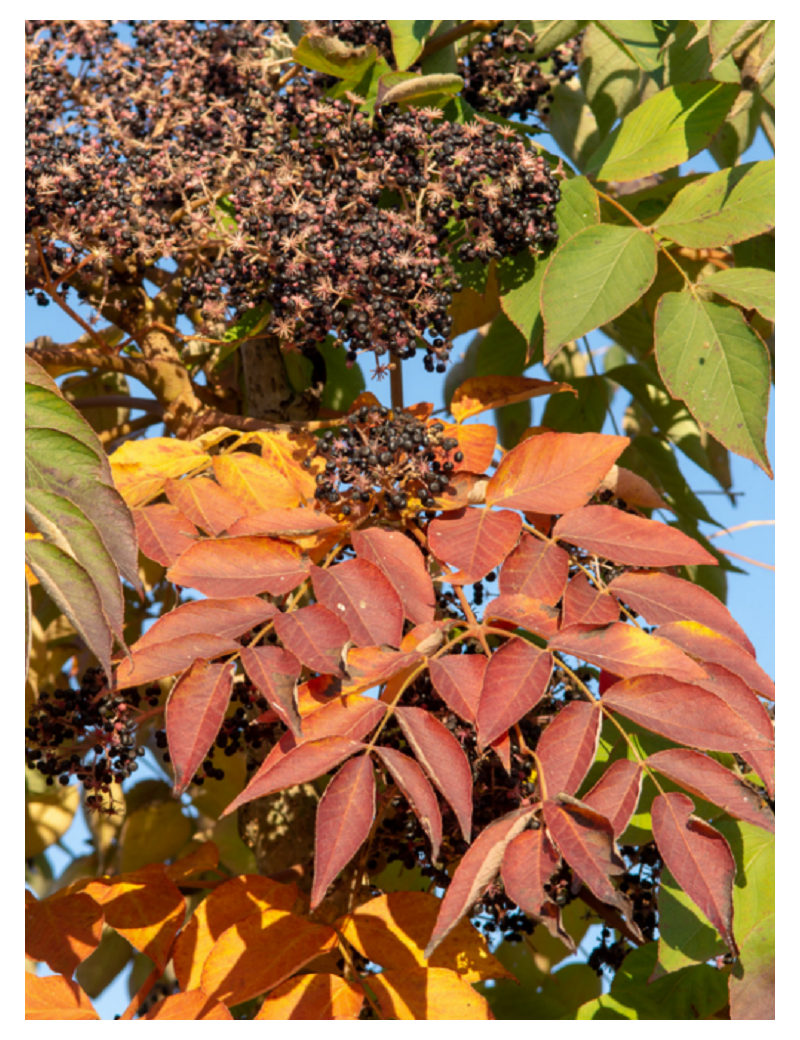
88, 734
640, 883
502, 78
183, 150
384, 458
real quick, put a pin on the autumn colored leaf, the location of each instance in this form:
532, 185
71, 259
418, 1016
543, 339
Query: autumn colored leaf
255, 483
306, 762
428, 994
632, 488
616, 794
344, 817
145, 907
537, 569
63, 931
315, 636
707, 778
361, 595
529, 862
443, 759
194, 713
158, 660
417, 791
404, 565
586, 605
426, 639
371, 666
476, 871
752, 981
55, 997
553, 472
567, 748
476, 442
699, 859
261, 951
141, 468
586, 840
627, 651
502, 748
475, 540
205, 503
285, 523
739, 696
660, 598
624, 538
524, 612
681, 712
483, 393
707, 646
224, 618
392, 930
232, 567
286, 451
187, 1007
163, 532
516, 679
231, 902
458, 679
204, 857
316, 998
275, 672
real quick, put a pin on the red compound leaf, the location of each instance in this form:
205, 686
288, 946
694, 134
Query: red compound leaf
224, 618
616, 794
344, 817
627, 651
586, 605
418, 793
536, 569
711, 647
361, 595
404, 565
475, 540
699, 859
516, 680
458, 679
230, 567
163, 532
315, 636
194, 713
275, 672
205, 503
530, 861
568, 747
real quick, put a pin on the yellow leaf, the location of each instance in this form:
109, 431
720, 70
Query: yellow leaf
393, 931
47, 818
432, 994
313, 997
140, 468
255, 482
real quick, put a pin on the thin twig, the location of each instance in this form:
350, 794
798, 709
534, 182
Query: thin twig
141, 404
747, 559
456, 33
396, 384
742, 527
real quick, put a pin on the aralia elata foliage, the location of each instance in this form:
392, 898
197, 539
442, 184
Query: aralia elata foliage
493, 658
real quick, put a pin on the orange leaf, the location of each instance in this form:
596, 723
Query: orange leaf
392, 931
286, 452
163, 532
553, 472
699, 641
361, 595
62, 932
476, 442
55, 997
187, 1007
428, 994
231, 567
205, 503
261, 951
236, 899
586, 605
316, 998
224, 618
145, 907
632, 488
275, 672
404, 565
285, 523
482, 393
205, 857
255, 482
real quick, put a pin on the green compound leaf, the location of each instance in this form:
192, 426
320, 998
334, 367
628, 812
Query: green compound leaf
408, 39
751, 288
572, 123
709, 357
436, 88
592, 278
639, 40
686, 936
752, 983
723, 208
329, 55
71, 588
609, 77
550, 34
666, 130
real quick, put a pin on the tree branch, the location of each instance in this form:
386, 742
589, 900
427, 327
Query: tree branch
144, 404
458, 32
74, 356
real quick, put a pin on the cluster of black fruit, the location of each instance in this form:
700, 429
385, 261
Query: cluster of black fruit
364, 34
501, 76
640, 884
607, 954
241, 731
88, 734
385, 457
